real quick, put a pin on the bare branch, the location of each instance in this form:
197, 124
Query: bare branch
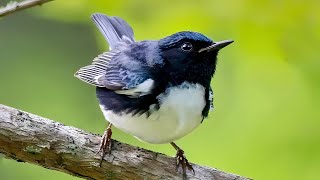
18, 6
29, 138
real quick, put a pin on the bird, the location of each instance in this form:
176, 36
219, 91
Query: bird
155, 90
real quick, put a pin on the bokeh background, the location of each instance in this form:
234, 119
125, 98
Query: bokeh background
267, 92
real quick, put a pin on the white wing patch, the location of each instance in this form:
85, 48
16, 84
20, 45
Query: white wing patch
91, 73
140, 90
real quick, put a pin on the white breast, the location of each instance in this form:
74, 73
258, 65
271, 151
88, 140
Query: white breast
180, 112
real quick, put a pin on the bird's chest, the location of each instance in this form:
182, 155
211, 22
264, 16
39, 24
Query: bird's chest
180, 112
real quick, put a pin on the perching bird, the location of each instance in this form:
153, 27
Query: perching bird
155, 90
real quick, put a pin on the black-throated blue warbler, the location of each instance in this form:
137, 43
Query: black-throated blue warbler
157, 91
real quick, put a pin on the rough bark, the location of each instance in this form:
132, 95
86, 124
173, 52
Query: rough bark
18, 6
25, 137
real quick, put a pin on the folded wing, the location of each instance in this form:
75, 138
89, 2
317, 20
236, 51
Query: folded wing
114, 69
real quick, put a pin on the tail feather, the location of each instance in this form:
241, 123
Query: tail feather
113, 28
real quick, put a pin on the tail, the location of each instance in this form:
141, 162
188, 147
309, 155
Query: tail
113, 28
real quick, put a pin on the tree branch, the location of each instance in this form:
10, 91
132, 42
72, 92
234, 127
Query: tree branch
29, 138
18, 6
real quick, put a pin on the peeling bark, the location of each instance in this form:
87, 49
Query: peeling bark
25, 137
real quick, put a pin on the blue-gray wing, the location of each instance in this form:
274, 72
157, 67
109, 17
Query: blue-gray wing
116, 71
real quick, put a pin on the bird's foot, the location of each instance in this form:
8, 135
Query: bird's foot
182, 161
105, 145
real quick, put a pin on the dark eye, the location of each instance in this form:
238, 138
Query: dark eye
186, 46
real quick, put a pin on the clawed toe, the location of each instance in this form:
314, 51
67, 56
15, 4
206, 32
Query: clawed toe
182, 161
105, 145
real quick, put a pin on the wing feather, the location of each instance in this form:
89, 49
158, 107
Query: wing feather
91, 73
115, 70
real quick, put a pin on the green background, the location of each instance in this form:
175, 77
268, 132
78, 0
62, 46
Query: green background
267, 91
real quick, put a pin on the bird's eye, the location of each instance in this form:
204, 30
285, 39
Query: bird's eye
187, 46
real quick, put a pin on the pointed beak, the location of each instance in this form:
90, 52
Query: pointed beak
216, 46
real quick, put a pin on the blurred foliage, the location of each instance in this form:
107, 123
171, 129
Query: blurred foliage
267, 103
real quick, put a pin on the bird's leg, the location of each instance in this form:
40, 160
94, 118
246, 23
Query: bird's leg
182, 161
105, 144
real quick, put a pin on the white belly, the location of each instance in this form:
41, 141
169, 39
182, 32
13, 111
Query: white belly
180, 112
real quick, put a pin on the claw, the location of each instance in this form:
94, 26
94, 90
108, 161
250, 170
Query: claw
105, 145
182, 161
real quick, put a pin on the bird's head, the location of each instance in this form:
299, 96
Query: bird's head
190, 56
